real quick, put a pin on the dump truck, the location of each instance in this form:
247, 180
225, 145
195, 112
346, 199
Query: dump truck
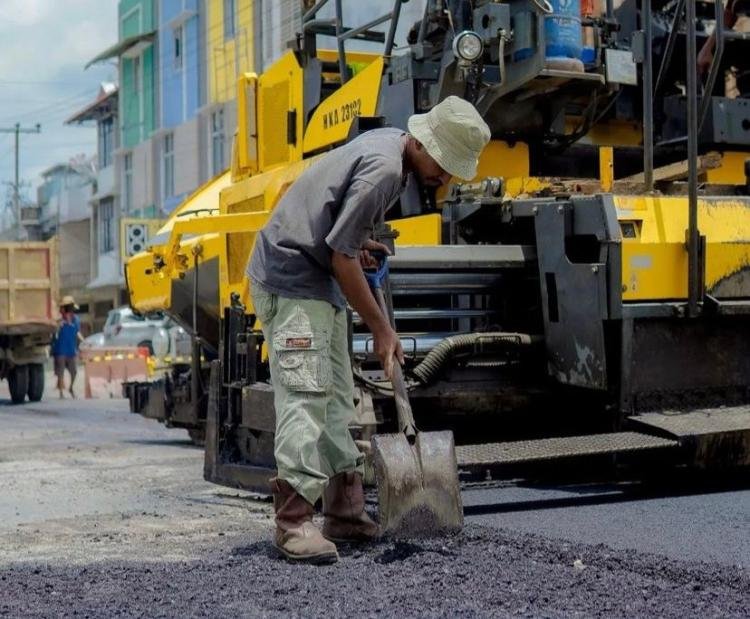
586, 296
28, 310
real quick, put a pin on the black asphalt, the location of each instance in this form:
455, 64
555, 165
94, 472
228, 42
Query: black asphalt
69, 472
480, 573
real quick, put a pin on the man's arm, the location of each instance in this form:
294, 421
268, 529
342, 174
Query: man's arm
348, 274
706, 54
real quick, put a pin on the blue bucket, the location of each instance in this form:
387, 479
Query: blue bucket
563, 29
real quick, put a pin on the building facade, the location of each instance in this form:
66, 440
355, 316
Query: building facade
278, 23
170, 126
229, 51
105, 282
64, 199
180, 140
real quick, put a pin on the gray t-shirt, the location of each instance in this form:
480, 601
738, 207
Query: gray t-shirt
333, 205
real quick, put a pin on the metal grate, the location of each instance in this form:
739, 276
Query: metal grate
728, 419
516, 452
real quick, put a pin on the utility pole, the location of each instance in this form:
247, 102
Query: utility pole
17, 130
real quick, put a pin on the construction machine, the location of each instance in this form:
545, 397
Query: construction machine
587, 295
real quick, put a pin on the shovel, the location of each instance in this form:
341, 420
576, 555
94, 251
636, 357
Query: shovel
416, 472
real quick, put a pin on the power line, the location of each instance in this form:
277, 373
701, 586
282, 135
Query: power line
17, 130
55, 106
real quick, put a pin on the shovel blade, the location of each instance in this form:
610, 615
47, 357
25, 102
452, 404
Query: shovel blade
418, 490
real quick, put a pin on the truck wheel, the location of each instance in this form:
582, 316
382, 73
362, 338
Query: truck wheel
36, 382
18, 381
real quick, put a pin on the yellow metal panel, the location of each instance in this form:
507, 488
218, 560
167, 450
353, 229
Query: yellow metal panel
499, 159
148, 288
612, 133
421, 230
731, 171
523, 186
352, 58
606, 167
203, 200
655, 262
247, 123
502, 159
280, 92
333, 118
239, 243
257, 193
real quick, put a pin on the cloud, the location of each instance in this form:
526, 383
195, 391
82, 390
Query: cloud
15, 13
46, 44
42, 36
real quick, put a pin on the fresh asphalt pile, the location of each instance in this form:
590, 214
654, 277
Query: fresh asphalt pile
481, 572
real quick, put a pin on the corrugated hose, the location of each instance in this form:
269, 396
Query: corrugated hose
439, 356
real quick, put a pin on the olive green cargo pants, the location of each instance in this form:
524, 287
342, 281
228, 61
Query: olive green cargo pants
313, 389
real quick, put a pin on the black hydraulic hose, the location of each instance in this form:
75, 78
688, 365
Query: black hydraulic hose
439, 356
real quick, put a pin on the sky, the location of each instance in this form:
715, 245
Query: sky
44, 45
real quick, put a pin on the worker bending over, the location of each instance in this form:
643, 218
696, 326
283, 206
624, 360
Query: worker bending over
304, 269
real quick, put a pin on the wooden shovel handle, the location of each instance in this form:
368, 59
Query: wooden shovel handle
400, 393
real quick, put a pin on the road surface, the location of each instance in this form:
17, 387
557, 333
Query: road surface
104, 513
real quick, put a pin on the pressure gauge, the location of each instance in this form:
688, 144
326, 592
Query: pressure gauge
468, 46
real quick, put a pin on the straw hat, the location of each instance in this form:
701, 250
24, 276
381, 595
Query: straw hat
453, 134
69, 300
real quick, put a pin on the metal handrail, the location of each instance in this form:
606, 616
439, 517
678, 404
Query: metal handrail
693, 235
343, 34
713, 72
669, 50
648, 100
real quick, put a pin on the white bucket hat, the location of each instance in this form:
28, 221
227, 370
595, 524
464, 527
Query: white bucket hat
453, 134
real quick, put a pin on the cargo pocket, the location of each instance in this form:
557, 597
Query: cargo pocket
304, 362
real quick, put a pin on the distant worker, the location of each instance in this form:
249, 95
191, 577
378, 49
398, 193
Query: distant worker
306, 264
65, 344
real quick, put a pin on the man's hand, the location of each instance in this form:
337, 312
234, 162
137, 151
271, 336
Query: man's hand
706, 56
350, 277
365, 256
387, 347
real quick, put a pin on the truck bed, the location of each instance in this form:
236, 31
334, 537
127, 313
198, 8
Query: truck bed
28, 287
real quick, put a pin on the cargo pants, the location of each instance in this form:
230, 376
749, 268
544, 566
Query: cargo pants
313, 389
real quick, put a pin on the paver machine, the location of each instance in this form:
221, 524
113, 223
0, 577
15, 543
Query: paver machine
587, 295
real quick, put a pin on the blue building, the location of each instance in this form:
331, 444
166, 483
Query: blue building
180, 140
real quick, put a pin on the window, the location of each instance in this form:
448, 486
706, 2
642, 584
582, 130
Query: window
229, 23
168, 166
137, 74
127, 183
106, 141
106, 225
178, 51
217, 142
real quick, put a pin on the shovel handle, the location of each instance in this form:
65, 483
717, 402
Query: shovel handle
400, 393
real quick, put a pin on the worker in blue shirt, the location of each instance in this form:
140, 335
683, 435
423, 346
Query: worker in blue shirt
65, 344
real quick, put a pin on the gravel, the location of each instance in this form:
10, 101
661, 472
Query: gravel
481, 572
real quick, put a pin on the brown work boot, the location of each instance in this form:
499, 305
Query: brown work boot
297, 538
344, 510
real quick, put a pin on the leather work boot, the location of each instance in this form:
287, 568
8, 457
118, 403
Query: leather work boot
297, 538
344, 510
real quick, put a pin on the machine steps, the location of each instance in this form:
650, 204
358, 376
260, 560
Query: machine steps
541, 450
705, 437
